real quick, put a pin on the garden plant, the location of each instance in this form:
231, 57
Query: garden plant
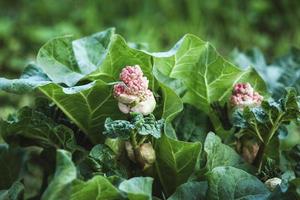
113, 121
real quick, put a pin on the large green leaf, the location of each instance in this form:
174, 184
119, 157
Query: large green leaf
31, 78
175, 161
121, 55
172, 105
97, 188
219, 154
229, 183
63, 64
138, 188
207, 76
90, 51
191, 190
65, 173
191, 125
87, 106
32, 128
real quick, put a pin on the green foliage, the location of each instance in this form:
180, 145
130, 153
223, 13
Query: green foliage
138, 188
191, 125
141, 125
218, 154
176, 161
283, 72
80, 146
264, 122
231, 183
15, 192
101, 160
11, 163
190, 190
31, 127
65, 173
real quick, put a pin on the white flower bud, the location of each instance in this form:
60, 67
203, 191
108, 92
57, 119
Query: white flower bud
124, 108
272, 183
145, 107
146, 155
130, 151
248, 149
127, 99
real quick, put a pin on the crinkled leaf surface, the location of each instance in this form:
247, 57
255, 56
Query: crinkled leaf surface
175, 161
264, 122
101, 161
229, 183
33, 128
137, 188
118, 128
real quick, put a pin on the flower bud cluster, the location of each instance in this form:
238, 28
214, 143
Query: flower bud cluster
133, 93
243, 95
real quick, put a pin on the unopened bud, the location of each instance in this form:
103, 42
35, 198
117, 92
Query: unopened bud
243, 95
272, 183
248, 149
144, 155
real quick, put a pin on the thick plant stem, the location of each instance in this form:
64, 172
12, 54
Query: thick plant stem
259, 158
135, 145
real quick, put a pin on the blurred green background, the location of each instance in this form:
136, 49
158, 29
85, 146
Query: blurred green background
271, 25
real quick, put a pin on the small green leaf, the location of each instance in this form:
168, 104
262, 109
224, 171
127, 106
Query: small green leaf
265, 121
118, 128
148, 125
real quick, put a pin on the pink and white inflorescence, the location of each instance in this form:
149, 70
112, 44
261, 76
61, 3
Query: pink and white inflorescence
243, 95
133, 93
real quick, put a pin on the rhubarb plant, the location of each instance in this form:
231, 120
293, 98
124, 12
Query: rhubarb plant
111, 121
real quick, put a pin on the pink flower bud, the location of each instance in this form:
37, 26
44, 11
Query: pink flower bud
243, 95
133, 93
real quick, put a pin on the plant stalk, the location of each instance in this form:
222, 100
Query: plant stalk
259, 158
